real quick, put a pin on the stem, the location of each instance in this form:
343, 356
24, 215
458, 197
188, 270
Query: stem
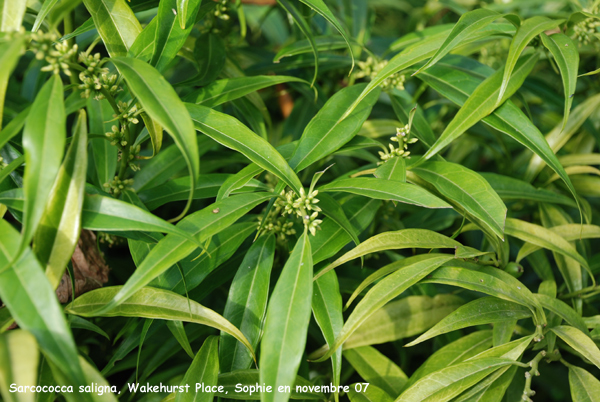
125, 151
527, 392
579, 292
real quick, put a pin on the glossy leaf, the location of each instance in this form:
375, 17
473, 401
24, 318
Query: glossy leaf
233, 134
205, 370
10, 51
59, 228
487, 310
286, 323
251, 377
386, 190
468, 189
372, 394
376, 369
117, 25
153, 304
19, 358
11, 15
393, 169
584, 386
162, 104
579, 341
178, 331
247, 303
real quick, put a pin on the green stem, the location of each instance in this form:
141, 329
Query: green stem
125, 152
527, 392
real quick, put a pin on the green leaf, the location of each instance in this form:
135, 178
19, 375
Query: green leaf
331, 128
168, 251
323, 44
455, 352
320, 7
46, 8
229, 89
60, 225
19, 358
82, 323
570, 232
525, 33
393, 169
384, 291
468, 189
402, 319
509, 188
210, 55
247, 303
372, 394
483, 101
401, 239
542, 237
16, 124
178, 331
487, 310
468, 23
452, 80
386, 190
171, 36
249, 377
205, 370
152, 303
32, 303
11, 167
162, 104
238, 180
231, 133
11, 15
44, 139
10, 52
286, 323
332, 209
117, 25
579, 341
377, 369
449, 382
563, 310
103, 154
566, 56
584, 386
207, 186
327, 310
306, 31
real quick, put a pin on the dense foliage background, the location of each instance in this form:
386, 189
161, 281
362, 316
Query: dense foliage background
386, 192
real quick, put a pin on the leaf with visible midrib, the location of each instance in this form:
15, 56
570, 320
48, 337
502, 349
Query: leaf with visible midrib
204, 370
584, 386
384, 291
154, 304
117, 25
579, 341
386, 190
160, 101
60, 226
233, 134
286, 323
487, 310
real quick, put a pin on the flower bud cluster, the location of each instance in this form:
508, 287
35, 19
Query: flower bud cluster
134, 152
298, 206
116, 186
371, 67
221, 10
584, 30
95, 78
403, 139
127, 112
58, 56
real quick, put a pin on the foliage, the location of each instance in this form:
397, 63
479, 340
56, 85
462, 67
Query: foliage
394, 193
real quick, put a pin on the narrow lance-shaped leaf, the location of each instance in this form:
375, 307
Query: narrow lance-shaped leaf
486, 310
466, 25
306, 31
178, 331
372, 394
11, 14
117, 25
170, 35
46, 8
386, 290
10, 51
320, 7
525, 33
103, 154
153, 303
563, 310
247, 303
386, 190
482, 102
171, 249
44, 139
162, 104
401, 239
182, 9
330, 129
205, 370
468, 189
327, 310
566, 55
286, 324
32, 303
585, 387
579, 341
19, 358
233, 134
59, 228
